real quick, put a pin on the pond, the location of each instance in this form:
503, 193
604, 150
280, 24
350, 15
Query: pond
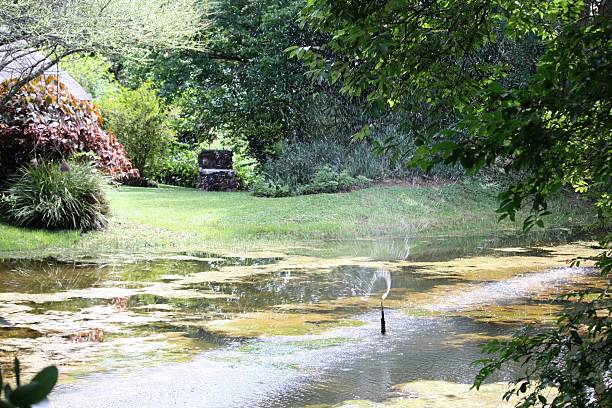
296, 327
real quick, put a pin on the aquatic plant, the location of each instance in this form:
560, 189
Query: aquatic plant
26, 395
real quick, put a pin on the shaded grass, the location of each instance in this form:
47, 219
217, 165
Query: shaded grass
172, 219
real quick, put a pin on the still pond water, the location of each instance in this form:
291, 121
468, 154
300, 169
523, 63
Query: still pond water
294, 327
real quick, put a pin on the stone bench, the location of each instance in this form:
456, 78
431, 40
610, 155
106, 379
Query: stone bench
215, 168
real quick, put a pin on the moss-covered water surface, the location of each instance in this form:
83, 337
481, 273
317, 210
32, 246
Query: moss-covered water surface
283, 328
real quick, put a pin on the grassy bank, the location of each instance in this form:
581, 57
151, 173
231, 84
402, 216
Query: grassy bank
178, 219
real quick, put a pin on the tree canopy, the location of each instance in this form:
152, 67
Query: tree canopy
243, 85
454, 60
57, 29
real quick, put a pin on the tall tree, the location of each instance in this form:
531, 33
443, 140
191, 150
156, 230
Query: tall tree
244, 85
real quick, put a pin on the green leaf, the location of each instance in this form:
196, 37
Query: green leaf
364, 133
47, 377
444, 146
41, 386
293, 47
26, 395
335, 75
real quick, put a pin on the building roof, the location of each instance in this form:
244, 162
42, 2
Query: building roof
33, 59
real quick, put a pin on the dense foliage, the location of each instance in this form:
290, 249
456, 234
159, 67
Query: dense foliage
94, 73
574, 358
43, 120
452, 59
180, 166
141, 122
324, 180
298, 160
245, 90
244, 87
26, 395
56, 195
453, 63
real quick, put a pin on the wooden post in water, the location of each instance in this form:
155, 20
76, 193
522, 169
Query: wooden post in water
383, 328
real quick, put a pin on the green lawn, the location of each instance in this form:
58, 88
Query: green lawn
177, 219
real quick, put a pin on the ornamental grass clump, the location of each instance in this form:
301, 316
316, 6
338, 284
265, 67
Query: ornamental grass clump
56, 196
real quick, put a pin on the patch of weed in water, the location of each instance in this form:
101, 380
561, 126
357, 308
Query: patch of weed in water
69, 305
18, 332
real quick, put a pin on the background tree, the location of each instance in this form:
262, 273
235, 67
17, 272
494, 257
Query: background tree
243, 85
57, 29
141, 122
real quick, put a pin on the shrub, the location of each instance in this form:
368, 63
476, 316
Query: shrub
142, 123
325, 180
180, 166
324, 165
53, 195
44, 120
300, 159
267, 188
246, 168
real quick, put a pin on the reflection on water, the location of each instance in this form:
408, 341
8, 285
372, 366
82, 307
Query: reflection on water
47, 276
258, 293
126, 313
500, 293
436, 248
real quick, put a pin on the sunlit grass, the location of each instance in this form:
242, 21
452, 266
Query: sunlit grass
179, 219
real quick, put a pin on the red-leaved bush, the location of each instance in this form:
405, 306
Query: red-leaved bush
44, 120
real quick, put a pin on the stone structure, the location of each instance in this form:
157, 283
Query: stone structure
215, 171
